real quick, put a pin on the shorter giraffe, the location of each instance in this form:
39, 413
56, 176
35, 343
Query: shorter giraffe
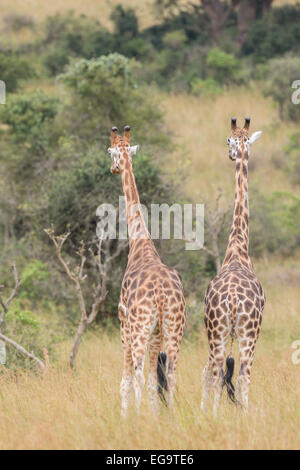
234, 299
152, 305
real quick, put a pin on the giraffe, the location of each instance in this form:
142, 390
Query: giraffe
234, 299
152, 306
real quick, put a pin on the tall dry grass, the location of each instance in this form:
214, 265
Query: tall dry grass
81, 409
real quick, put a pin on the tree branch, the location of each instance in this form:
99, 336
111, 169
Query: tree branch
23, 350
101, 261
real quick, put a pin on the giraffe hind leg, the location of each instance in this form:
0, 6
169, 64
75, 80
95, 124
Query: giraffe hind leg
154, 348
126, 385
218, 374
206, 384
138, 349
245, 364
172, 351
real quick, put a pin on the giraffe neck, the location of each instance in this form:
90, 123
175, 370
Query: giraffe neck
137, 229
238, 243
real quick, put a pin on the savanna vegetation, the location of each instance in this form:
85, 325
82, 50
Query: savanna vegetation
176, 73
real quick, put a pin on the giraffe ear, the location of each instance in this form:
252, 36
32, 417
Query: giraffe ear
254, 137
112, 151
133, 150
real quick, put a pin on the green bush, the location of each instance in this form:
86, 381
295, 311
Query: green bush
275, 34
281, 74
207, 87
27, 113
105, 92
223, 66
274, 223
56, 59
31, 331
13, 70
125, 23
289, 159
33, 276
175, 39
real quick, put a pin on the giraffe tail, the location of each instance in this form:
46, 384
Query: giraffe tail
161, 377
227, 380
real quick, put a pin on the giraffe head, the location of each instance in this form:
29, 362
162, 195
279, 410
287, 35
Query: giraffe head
239, 141
120, 149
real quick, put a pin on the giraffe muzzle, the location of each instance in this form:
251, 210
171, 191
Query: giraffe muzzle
114, 170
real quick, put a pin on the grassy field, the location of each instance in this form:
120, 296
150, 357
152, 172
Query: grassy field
81, 409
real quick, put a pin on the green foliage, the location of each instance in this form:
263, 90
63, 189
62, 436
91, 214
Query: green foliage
207, 87
30, 119
282, 73
223, 66
33, 332
125, 22
56, 59
274, 223
288, 160
26, 114
34, 275
17, 318
105, 92
175, 39
13, 70
275, 34
68, 36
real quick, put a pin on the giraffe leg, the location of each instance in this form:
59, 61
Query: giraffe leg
154, 348
126, 382
246, 354
172, 350
126, 385
217, 375
206, 384
139, 379
141, 336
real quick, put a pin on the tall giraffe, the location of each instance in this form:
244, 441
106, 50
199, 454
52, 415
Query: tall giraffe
234, 299
152, 306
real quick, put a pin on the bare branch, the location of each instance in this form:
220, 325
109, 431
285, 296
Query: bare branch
5, 305
23, 350
101, 260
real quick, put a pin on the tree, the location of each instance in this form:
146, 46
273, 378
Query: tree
13, 70
215, 13
102, 260
247, 12
125, 22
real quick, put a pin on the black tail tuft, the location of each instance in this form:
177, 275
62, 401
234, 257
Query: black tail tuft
161, 376
228, 379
